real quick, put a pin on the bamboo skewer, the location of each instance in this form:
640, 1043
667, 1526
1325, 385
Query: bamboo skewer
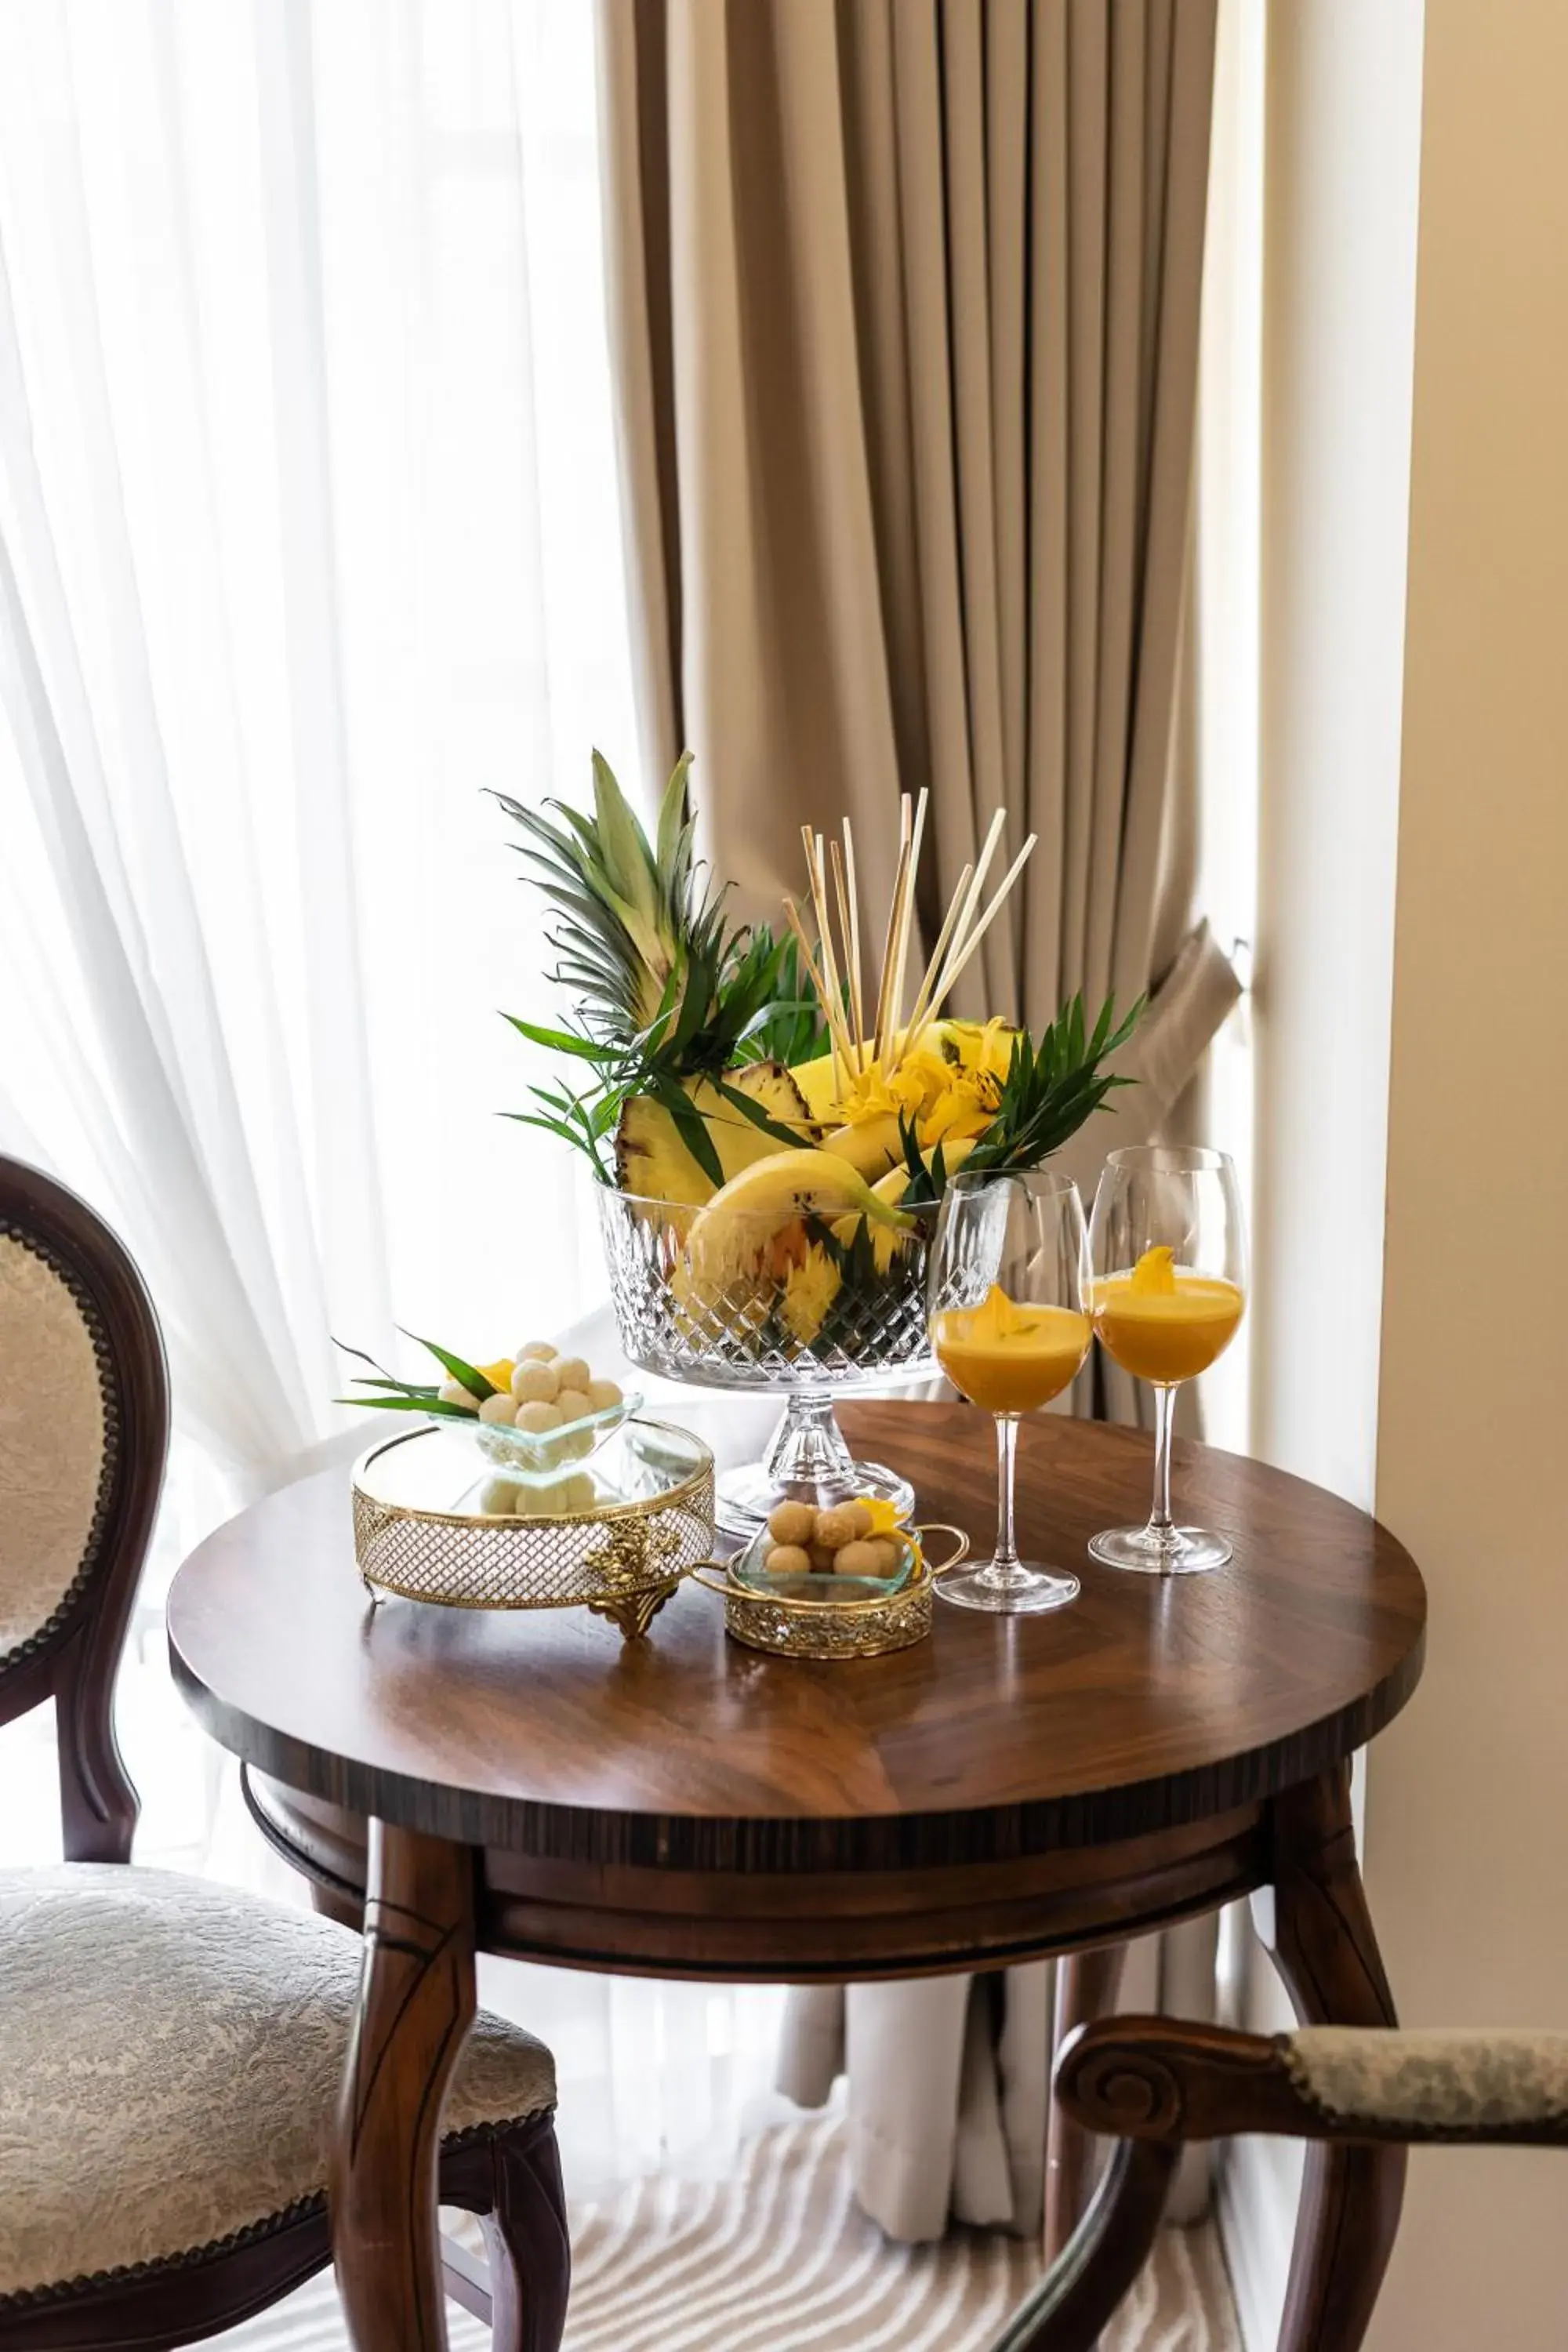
903, 889
962, 931
849, 930
814, 972
825, 941
921, 1012
906, 929
989, 916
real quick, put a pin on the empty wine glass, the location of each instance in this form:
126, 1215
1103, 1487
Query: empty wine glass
1008, 1295
1170, 1275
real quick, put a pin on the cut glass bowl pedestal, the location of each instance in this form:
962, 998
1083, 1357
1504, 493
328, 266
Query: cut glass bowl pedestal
729, 1299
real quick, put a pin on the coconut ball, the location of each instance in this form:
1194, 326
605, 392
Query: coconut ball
497, 1408
538, 1416
858, 1516
822, 1557
454, 1393
572, 1372
837, 1527
539, 1352
574, 1405
498, 1497
868, 1556
788, 1560
793, 1523
534, 1383
562, 1496
603, 1395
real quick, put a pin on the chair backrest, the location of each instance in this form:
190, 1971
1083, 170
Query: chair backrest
84, 1430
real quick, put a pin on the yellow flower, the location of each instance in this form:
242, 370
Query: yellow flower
498, 1374
964, 1108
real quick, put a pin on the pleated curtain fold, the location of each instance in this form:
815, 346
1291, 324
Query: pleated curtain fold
906, 301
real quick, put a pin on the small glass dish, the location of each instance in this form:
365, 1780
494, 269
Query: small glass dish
535, 1459
750, 1569
829, 1617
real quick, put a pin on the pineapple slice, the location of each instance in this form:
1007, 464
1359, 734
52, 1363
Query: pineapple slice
818, 1084
652, 1161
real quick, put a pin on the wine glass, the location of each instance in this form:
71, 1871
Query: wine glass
1008, 1299
1170, 1278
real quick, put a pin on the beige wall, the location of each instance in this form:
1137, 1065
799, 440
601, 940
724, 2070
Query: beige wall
1467, 1831
1341, 181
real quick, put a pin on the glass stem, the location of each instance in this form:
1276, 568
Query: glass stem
1160, 1521
1004, 1566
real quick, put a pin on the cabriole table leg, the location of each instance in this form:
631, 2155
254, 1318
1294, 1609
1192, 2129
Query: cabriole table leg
416, 2005
1325, 1950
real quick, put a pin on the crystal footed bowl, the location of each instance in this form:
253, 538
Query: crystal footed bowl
733, 1300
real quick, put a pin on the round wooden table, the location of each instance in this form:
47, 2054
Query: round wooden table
680, 1806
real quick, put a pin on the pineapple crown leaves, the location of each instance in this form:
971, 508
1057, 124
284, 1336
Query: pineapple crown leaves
641, 940
631, 919
1053, 1086
664, 988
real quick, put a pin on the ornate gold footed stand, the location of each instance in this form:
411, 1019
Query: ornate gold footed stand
616, 1538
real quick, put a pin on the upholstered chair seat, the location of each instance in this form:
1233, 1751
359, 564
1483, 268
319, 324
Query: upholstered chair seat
172, 2054
178, 2046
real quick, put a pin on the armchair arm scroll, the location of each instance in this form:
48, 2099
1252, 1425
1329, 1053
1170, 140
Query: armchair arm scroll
1162, 2079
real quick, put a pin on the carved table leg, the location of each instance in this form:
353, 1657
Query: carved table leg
1086, 1988
1324, 1948
415, 2004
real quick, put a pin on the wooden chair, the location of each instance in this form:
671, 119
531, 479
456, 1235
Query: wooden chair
171, 2050
1154, 2084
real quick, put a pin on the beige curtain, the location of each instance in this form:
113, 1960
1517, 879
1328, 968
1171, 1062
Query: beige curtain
906, 300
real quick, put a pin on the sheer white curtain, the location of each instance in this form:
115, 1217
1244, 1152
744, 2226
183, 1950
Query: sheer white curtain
308, 534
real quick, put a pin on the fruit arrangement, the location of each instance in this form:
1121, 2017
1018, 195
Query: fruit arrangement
780, 1105
860, 1538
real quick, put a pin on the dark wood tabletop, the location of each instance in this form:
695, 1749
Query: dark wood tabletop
1149, 1703
682, 1806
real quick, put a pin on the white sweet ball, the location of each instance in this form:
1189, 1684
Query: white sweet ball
537, 1417
498, 1497
572, 1372
575, 1404
497, 1408
454, 1393
539, 1350
603, 1395
564, 1496
534, 1383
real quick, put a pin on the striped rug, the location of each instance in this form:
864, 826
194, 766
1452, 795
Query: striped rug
779, 2260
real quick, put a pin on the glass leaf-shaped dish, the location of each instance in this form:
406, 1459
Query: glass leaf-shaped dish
536, 1459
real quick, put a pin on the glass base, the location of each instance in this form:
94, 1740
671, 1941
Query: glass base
746, 1497
1016, 1592
1160, 1551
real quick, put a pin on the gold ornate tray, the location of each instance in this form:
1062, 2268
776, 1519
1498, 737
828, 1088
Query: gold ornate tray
615, 1538
791, 1624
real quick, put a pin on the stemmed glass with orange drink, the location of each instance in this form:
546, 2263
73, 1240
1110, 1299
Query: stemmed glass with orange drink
1008, 1300
1170, 1260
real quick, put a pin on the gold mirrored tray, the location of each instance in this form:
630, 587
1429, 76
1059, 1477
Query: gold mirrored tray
615, 1536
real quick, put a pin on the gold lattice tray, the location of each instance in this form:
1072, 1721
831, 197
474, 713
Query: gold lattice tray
646, 1520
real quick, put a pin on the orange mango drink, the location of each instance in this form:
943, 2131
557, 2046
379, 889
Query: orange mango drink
1161, 1323
1008, 1358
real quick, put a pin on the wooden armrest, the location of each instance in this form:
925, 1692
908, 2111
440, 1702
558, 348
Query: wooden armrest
1160, 2078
